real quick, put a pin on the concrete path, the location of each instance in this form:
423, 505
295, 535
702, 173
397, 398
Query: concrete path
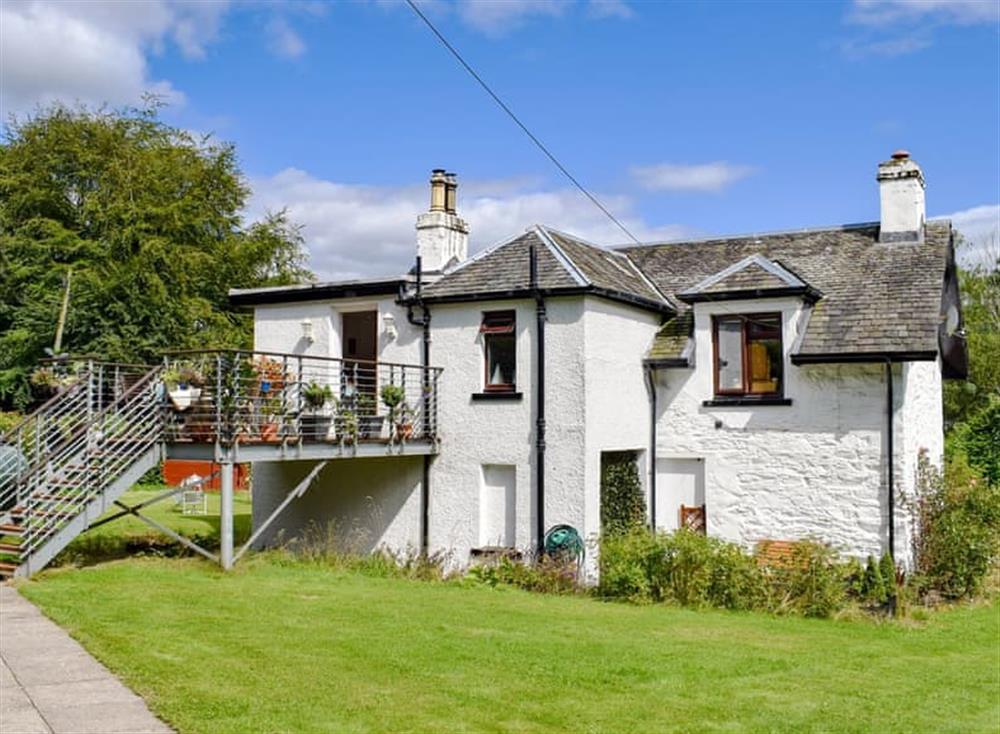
51, 685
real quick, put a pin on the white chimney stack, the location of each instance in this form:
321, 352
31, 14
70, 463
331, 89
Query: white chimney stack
901, 190
442, 236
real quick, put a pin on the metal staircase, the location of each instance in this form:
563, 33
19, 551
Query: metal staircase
68, 462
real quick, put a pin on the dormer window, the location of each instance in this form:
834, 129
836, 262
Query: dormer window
499, 342
748, 355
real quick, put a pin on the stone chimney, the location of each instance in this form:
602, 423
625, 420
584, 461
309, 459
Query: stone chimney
901, 190
442, 236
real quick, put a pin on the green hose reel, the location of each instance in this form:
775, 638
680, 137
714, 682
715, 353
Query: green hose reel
563, 541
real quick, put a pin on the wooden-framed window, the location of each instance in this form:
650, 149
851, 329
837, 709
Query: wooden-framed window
500, 351
749, 358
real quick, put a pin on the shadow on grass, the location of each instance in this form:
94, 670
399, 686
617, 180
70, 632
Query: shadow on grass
110, 543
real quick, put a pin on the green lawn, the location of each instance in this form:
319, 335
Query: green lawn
284, 647
129, 534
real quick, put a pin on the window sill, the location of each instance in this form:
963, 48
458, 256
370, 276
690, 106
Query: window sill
509, 396
746, 402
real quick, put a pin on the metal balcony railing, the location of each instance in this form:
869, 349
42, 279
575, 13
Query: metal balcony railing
243, 397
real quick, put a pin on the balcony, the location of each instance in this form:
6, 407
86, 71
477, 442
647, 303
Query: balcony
265, 406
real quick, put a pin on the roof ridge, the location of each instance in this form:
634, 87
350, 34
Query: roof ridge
751, 235
565, 260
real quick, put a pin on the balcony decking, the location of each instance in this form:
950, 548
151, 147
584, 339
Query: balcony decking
239, 406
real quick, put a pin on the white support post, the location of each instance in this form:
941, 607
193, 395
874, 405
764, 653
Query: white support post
226, 516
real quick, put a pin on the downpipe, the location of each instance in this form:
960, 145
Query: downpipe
891, 475
540, 318
424, 322
650, 375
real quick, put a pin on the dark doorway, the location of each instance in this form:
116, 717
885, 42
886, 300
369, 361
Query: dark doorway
360, 349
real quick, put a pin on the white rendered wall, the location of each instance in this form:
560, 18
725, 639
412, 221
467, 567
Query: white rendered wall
474, 433
365, 503
278, 328
377, 499
920, 427
617, 337
812, 469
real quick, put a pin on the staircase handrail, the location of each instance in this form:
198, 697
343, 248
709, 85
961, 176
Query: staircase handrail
124, 408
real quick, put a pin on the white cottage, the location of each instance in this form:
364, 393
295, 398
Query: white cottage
770, 387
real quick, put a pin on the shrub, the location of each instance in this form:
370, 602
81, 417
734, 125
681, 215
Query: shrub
956, 527
685, 567
623, 506
811, 584
548, 575
887, 569
981, 441
8, 420
626, 564
872, 584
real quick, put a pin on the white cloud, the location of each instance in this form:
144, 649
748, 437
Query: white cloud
499, 17
495, 17
355, 230
95, 52
283, 40
609, 9
981, 227
713, 177
855, 48
893, 12
898, 27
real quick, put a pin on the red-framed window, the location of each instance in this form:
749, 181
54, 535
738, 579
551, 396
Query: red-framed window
499, 351
748, 355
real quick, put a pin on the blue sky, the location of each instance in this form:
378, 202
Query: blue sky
685, 119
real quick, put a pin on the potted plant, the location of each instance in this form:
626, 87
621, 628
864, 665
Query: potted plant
270, 415
183, 383
404, 425
49, 382
270, 374
316, 424
369, 422
347, 424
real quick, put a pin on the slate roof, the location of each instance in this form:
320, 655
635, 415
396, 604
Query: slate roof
753, 276
566, 265
876, 298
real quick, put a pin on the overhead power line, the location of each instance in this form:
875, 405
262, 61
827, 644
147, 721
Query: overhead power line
517, 121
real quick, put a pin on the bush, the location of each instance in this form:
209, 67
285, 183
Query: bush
956, 527
981, 441
812, 583
548, 575
685, 568
623, 506
9, 419
872, 583
690, 569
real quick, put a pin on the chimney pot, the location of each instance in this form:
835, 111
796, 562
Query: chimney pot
438, 185
451, 193
901, 155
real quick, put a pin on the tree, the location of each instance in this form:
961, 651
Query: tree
980, 288
149, 219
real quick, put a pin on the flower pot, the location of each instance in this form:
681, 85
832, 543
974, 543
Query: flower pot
316, 427
404, 431
268, 431
184, 397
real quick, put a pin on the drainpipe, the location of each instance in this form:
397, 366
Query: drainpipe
425, 359
540, 317
890, 456
650, 371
